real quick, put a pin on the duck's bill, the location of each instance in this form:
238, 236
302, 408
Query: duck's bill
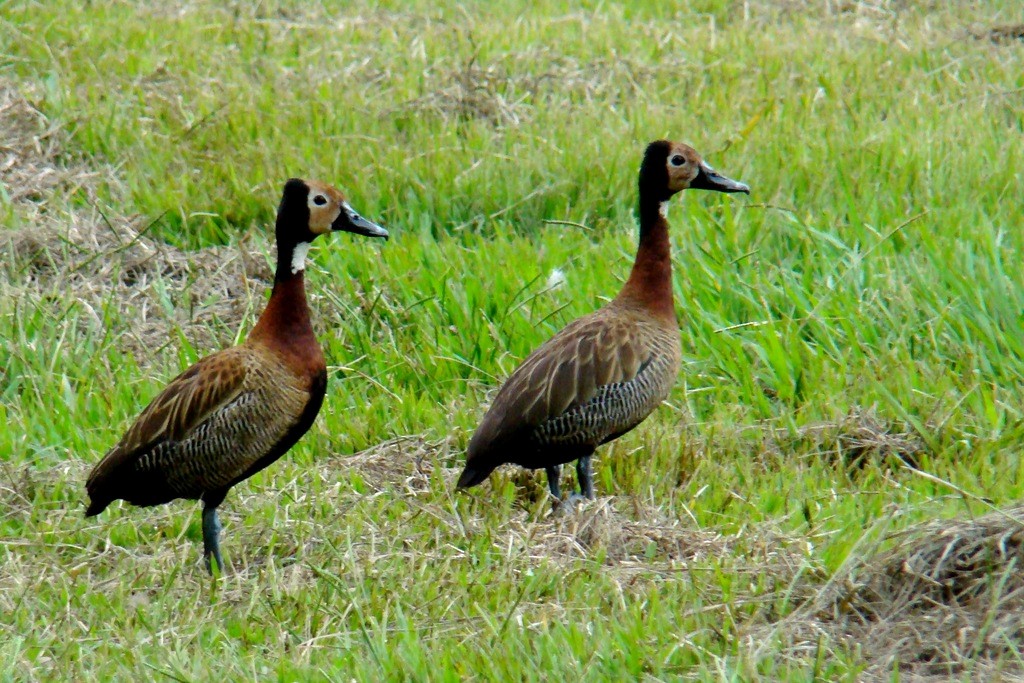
350, 221
710, 179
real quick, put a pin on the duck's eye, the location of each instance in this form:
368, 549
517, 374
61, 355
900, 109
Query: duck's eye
319, 200
677, 160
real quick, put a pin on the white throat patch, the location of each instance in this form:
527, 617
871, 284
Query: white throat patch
299, 256
663, 209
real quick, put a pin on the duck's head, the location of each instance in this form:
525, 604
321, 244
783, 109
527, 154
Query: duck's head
309, 209
670, 167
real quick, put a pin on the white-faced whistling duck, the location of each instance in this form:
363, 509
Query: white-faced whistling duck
604, 373
237, 411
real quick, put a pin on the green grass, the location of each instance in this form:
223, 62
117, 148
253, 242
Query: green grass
874, 267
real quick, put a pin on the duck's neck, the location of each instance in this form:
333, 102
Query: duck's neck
650, 282
285, 322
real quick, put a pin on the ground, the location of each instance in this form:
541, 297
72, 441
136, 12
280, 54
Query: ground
832, 490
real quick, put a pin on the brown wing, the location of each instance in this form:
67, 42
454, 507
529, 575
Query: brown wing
188, 401
565, 371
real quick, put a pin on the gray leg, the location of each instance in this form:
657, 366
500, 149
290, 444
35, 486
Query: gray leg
553, 474
585, 478
211, 539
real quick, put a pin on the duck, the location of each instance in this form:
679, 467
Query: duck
604, 373
235, 412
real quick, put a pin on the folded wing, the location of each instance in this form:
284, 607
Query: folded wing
154, 457
593, 359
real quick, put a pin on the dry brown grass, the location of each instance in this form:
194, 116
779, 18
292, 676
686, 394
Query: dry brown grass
632, 541
627, 535
471, 91
108, 260
206, 294
508, 89
942, 599
33, 166
1004, 34
945, 599
861, 437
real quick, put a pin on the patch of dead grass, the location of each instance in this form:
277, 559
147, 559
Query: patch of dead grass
107, 261
945, 600
33, 165
507, 90
472, 91
405, 463
856, 8
862, 436
1005, 34
621, 531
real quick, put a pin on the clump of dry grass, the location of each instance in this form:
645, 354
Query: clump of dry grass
505, 92
946, 599
32, 161
852, 441
861, 437
860, 8
107, 260
632, 543
1004, 34
636, 536
472, 91
405, 462
621, 531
